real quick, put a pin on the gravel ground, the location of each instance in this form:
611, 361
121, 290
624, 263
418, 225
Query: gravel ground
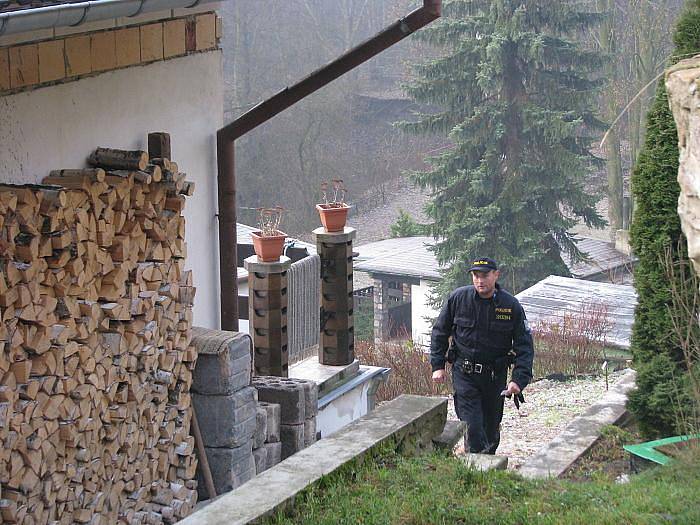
549, 407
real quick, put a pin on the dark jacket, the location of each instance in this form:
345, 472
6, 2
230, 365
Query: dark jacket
487, 341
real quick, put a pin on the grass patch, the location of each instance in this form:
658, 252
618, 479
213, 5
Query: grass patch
442, 490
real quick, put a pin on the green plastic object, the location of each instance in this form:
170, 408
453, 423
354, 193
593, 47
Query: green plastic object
648, 450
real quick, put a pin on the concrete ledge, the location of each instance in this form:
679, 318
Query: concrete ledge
411, 422
557, 456
486, 461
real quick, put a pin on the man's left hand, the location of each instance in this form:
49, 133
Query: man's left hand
512, 388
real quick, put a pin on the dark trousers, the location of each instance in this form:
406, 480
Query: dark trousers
478, 402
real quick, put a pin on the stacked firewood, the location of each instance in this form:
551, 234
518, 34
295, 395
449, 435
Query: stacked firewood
96, 361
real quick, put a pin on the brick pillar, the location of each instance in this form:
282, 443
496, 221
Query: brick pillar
337, 341
267, 315
381, 310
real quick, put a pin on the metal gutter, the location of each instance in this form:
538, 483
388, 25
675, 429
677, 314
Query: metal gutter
263, 112
366, 374
76, 14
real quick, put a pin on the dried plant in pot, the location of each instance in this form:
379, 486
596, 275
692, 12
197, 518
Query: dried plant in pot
333, 210
268, 242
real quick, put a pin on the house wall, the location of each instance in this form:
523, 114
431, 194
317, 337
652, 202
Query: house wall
58, 126
420, 309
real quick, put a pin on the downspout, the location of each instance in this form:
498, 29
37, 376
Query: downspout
263, 112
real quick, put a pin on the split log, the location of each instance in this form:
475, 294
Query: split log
119, 159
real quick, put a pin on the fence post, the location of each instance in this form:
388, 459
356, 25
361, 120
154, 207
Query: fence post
267, 315
337, 338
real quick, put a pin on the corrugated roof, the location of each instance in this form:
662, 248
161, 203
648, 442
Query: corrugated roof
404, 256
555, 296
601, 257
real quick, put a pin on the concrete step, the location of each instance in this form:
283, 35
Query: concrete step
452, 434
408, 422
486, 461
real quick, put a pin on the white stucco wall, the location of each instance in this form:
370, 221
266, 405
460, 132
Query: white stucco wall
58, 127
420, 309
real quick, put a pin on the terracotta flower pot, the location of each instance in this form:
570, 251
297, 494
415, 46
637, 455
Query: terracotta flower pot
333, 217
268, 249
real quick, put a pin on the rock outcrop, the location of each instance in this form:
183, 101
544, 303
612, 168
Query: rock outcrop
683, 85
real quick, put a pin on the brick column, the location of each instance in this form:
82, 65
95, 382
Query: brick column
267, 315
381, 310
337, 340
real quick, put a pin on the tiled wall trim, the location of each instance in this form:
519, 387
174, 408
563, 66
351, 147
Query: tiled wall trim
28, 66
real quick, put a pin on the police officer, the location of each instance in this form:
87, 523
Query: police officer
489, 333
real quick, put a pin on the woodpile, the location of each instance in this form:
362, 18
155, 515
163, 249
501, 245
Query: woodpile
95, 331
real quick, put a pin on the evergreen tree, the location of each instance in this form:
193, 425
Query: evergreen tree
407, 226
656, 231
515, 99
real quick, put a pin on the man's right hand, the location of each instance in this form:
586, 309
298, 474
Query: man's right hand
439, 376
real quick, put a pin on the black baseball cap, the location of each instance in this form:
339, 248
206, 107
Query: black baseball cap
483, 264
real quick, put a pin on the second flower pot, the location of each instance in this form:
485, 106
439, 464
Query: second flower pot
333, 216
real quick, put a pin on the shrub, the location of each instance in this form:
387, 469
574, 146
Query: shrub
410, 369
574, 344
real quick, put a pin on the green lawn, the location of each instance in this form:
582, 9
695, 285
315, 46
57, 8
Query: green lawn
442, 490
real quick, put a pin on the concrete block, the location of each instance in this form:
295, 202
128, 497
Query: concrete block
292, 438
52, 62
151, 42
128, 45
24, 66
286, 392
218, 375
310, 397
4, 69
260, 455
206, 31
230, 468
260, 428
274, 453
103, 51
310, 431
78, 56
174, 38
223, 362
486, 461
452, 434
272, 421
227, 421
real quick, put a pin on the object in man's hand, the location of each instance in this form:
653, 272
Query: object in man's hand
517, 399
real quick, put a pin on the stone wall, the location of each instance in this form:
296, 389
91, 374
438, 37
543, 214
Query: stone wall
683, 84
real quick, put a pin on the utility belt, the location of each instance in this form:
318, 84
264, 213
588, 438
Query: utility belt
470, 367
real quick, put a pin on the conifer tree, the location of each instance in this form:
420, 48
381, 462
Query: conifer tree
514, 96
656, 233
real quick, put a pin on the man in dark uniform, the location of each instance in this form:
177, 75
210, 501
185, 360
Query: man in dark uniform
489, 333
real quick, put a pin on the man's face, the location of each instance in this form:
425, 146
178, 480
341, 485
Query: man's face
485, 282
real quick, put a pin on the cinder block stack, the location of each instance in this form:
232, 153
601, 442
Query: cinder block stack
226, 406
298, 401
95, 355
